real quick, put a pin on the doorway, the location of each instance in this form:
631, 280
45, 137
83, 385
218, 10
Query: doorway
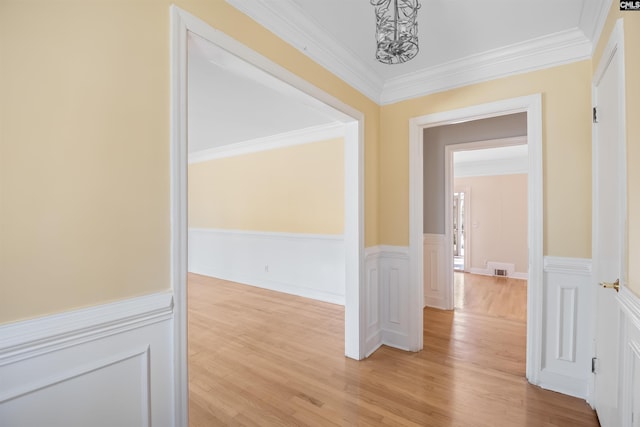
458, 219
183, 24
531, 105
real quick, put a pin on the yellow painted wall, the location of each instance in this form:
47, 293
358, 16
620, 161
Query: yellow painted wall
631, 23
298, 189
566, 104
84, 146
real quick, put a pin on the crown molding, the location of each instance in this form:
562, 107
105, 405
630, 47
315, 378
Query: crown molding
287, 21
287, 139
543, 52
592, 20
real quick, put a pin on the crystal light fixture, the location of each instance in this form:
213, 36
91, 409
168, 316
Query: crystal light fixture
396, 30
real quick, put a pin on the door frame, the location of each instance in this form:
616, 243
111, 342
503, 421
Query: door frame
182, 23
532, 106
614, 50
448, 189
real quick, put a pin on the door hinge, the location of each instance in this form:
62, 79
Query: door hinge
593, 364
595, 114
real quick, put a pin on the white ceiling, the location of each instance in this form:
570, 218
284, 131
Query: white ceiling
461, 42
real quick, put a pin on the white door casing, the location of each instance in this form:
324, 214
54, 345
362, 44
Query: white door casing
532, 105
182, 23
609, 225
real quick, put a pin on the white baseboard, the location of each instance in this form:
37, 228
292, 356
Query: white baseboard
489, 272
307, 265
100, 366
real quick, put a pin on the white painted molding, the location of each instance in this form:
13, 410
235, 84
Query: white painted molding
285, 20
630, 303
268, 234
435, 292
79, 371
532, 105
489, 272
510, 166
594, 16
307, 265
42, 335
181, 23
287, 139
575, 266
388, 295
543, 52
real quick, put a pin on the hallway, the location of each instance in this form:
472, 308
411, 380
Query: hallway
258, 357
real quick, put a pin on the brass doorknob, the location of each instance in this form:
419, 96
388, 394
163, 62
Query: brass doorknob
615, 285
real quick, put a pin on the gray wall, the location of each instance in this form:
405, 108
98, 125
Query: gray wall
435, 140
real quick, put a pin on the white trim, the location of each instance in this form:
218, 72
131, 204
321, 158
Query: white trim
181, 23
35, 337
594, 16
285, 20
544, 52
269, 234
533, 106
630, 303
287, 139
563, 265
307, 265
494, 167
613, 48
78, 371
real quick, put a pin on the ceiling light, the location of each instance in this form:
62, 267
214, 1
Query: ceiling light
396, 30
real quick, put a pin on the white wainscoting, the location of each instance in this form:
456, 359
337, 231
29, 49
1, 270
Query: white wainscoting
308, 265
566, 346
630, 351
387, 296
109, 365
435, 292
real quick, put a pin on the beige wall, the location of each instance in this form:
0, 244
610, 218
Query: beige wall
631, 22
298, 189
498, 219
566, 104
84, 146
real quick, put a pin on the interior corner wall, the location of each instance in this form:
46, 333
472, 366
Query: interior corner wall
84, 146
272, 219
498, 220
566, 138
436, 138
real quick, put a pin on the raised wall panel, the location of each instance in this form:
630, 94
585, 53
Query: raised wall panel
307, 265
387, 288
566, 308
109, 365
434, 275
566, 325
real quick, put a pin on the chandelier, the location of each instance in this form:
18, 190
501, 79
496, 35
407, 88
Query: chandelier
396, 30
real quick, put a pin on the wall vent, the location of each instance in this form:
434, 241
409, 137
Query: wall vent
500, 269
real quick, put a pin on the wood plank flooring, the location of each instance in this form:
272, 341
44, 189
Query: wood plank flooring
261, 358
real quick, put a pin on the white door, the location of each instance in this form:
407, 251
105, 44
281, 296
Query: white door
609, 216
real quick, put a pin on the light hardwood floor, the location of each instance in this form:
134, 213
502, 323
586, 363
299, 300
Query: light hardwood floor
262, 358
